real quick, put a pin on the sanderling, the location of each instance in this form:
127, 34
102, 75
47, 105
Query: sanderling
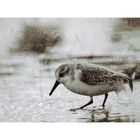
91, 80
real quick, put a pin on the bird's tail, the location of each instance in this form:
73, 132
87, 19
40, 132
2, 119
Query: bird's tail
132, 77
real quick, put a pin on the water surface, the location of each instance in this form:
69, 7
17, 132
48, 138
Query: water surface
26, 82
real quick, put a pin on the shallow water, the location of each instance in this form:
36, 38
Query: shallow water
26, 80
24, 87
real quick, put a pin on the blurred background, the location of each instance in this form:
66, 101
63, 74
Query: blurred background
32, 48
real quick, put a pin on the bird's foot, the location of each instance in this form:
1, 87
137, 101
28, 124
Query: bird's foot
75, 109
103, 106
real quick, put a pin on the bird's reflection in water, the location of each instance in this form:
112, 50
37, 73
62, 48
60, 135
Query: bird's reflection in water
100, 114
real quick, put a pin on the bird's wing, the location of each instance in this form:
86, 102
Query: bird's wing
98, 75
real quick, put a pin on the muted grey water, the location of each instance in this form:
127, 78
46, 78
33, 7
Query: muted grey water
26, 79
25, 83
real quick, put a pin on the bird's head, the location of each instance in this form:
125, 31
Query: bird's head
61, 74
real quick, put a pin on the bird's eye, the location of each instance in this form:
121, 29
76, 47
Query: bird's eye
61, 74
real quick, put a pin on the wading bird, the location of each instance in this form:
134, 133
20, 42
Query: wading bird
91, 80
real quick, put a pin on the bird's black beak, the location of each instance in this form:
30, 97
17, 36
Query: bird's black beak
54, 87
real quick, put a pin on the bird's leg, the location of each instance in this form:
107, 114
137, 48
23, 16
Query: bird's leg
106, 96
90, 102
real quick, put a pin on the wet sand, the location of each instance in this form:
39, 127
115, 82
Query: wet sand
26, 82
